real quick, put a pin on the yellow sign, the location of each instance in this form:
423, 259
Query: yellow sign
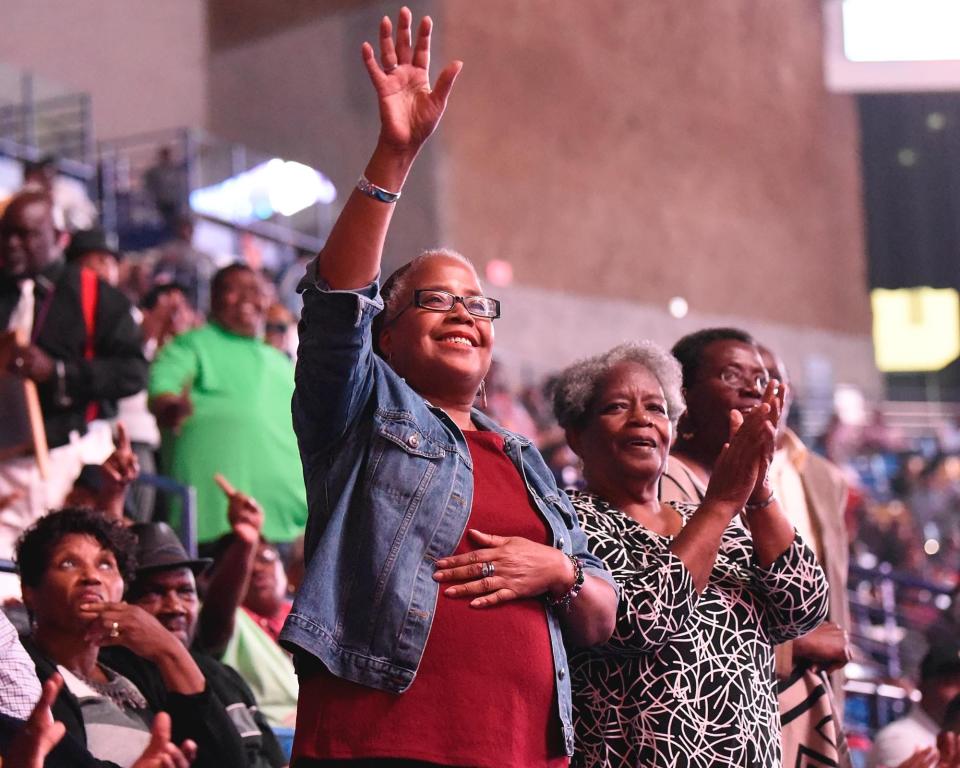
915, 329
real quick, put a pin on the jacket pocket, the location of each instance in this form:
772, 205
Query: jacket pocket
400, 489
405, 434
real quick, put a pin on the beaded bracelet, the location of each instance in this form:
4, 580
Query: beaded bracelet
370, 189
563, 602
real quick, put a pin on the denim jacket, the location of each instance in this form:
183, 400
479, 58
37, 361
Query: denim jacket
389, 483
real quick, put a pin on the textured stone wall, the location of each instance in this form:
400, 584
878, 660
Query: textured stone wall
643, 150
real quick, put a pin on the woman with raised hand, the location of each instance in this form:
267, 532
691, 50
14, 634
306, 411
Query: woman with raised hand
705, 590
444, 570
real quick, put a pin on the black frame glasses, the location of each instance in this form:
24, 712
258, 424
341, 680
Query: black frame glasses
434, 300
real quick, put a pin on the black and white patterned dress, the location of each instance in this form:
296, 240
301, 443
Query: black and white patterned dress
687, 680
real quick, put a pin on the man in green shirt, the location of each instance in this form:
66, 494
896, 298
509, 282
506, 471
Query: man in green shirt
222, 397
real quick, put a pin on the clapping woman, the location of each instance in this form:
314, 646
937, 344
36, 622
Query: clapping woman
705, 590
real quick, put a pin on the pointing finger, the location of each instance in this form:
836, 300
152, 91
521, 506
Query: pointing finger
224, 485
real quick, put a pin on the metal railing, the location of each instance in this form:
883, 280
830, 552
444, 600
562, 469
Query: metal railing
203, 160
187, 497
39, 117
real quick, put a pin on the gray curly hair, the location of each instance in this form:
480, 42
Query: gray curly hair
576, 387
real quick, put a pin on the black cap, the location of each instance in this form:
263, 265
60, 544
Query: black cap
159, 549
941, 659
89, 241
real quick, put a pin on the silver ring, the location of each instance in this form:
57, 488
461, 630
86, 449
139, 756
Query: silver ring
388, 70
487, 570
115, 629
18, 363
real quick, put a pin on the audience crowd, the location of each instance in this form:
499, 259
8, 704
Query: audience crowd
391, 574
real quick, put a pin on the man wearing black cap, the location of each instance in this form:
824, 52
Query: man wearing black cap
165, 586
917, 732
90, 249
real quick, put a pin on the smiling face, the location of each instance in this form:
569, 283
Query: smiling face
28, 238
627, 434
442, 355
171, 597
710, 399
80, 570
240, 303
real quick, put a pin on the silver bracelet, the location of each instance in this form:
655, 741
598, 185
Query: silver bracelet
370, 189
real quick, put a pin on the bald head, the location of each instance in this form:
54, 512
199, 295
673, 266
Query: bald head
29, 240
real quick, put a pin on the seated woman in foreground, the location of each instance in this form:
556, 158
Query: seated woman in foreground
427, 520
119, 665
706, 590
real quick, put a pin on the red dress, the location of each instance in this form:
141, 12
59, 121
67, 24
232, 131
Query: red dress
484, 694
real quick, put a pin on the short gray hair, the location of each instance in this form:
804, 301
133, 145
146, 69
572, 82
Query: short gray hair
576, 387
397, 289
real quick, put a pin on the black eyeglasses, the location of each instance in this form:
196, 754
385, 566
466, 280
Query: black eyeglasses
443, 301
734, 377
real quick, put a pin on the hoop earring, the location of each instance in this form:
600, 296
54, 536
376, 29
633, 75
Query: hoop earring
483, 393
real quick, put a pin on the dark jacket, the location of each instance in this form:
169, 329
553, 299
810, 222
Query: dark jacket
118, 367
261, 746
201, 717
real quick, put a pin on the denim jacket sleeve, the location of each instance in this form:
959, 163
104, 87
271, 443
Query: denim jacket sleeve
334, 360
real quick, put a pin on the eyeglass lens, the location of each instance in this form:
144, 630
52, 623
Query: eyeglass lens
442, 301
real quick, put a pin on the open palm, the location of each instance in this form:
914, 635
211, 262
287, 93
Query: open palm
409, 109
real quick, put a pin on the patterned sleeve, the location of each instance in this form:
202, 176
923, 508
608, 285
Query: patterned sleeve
656, 589
796, 592
19, 685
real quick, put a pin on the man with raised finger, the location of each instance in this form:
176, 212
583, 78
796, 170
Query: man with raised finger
165, 587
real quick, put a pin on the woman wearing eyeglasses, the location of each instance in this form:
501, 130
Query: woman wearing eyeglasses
706, 589
444, 570
722, 372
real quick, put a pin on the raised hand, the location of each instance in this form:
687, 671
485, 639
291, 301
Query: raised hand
743, 461
409, 109
505, 568
773, 397
161, 752
41, 733
122, 467
243, 512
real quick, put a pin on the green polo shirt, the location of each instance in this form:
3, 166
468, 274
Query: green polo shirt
241, 427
